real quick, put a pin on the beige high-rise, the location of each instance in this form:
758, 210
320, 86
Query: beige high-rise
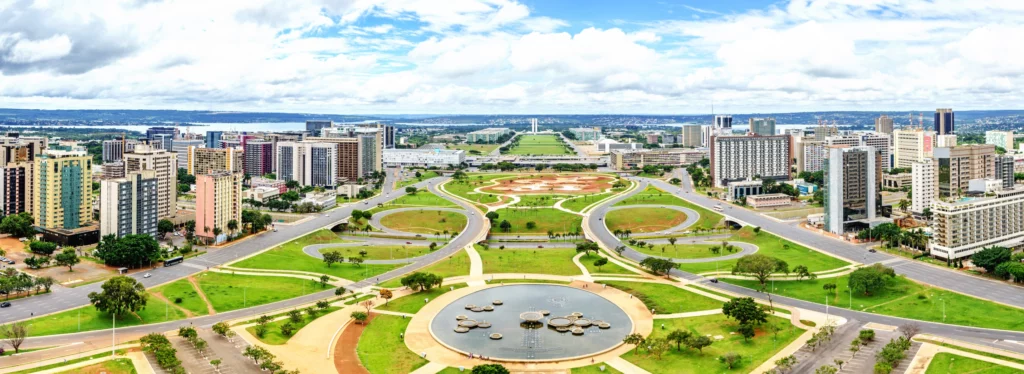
956, 166
165, 164
912, 145
205, 160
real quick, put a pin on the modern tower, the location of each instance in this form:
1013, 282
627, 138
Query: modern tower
945, 123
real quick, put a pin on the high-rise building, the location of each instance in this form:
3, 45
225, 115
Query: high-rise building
883, 124
165, 165
850, 186
113, 150
1004, 170
128, 205
957, 166
181, 148
762, 126
205, 160
809, 154
587, 133
212, 139
533, 125
314, 127
1002, 139
880, 141
823, 130
925, 184
309, 163
218, 201
162, 141
691, 136
962, 227
945, 141
736, 158
912, 145
16, 187
259, 158
63, 198
723, 122
944, 121
152, 132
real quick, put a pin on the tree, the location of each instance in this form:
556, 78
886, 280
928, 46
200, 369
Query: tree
323, 280
433, 246
232, 226
829, 287
14, 333
216, 364
698, 342
786, 363
672, 241
121, 295
505, 226
422, 281
42, 248
827, 369
634, 339
989, 258
489, 369
492, 216
130, 250
760, 267
360, 317
870, 279
587, 247
19, 225
855, 346
600, 262
839, 363
290, 196
658, 346
903, 205
410, 190
866, 335
658, 265
730, 359
386, 295
620, 249
221, 328
164, 226
803, 272
530, 225
332, 257
357, 261
217, 231
339, 291
745, 310
68, 258
908, 330
368, 304
287, 329
747, 330
679, 337
261, 325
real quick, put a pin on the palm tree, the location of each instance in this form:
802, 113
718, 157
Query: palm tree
903, 205
233, 225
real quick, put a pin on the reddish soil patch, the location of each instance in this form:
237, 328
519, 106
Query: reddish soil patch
545, 184
199, 290
345, 358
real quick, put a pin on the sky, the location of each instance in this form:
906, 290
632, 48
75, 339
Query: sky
512, 57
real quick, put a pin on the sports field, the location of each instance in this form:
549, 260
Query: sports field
539, 145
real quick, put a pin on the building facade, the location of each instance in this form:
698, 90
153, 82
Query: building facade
1004, 170
16, 187
723, 122
586, 133
945, 121
128, 205
212, 139
218, 201
259, 158
181, 148
963, 227
912, 145
423, 157
165, 164
850, 186
1002, 139
113, 150
638, 158
314, 127
736, 158
925, 184
881, 143
883, 124
489, 135
205, 160
958, 165
309, 163
809, 154
762, 126
691, 136
63, 181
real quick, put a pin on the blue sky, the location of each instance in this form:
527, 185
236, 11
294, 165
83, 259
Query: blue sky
509, 56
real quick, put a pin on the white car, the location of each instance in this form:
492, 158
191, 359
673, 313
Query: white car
147, 275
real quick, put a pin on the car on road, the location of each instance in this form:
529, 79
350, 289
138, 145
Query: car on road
408, 242
714, 280
5, 304
540, 246
872, 250
147, 275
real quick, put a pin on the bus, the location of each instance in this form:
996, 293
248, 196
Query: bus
718, 208
174, 261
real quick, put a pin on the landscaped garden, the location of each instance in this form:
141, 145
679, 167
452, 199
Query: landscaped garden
234, 291
289, 256
948, 363
555, 261
184, 295
380, 252
665, 298
577, 204
274, 334
381, 348
419, 199
414, 302
640, 220
682, 251
424, 175
539, 145
425, 221
543, 220
453, 266
770, 245
91, 319
654, 196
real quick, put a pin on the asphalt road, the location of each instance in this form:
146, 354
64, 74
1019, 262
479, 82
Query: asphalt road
926, 274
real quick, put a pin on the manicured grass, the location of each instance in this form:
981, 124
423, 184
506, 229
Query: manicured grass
421, 198
545, 219
69, 362
944, 363
539, 200
381, 350
654, 196
666, 299
904, 298
273, 335
974, 351
289, 256
231, 291
414, 302
115, 366
754, 352
189, 296
424, 175
771, 245
464, 188
360, 299
540, 145
381, 252
453, 266
577, 204
679, 250
542, 281
554, 261
484, 149
595, 369
425, 221
640, 220
609, 268
91, 319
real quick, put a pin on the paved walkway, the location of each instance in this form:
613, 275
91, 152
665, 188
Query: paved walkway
698, 313
476, 267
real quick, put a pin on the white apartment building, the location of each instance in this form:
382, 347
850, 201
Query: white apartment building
925, 184
809, 154
881, 142
735, 158
945, 141
423, 157
912, 145
309, 163
1000, 139
962, 227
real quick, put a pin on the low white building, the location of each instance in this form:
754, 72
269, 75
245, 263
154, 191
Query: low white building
261, 194
326, 200
423, 157
350, 190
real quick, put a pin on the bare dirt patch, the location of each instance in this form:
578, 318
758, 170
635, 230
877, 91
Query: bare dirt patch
85, 272
542, 184
345, 358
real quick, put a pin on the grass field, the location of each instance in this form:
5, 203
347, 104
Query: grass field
413, 303
554, 261
273, 335
464, 188
382, 351
948, 363
230, 291
577, 204
289, 256
189, 296
640, 220
666, 299
759, 349
595, 369
453, 266
484, 149
771, 245
424, 175
654, 196
680, 250
540, 145
91, 319
425, 221
905, 298
539, 200
545, 219
381, 252
609, 268
421, 198
114, 366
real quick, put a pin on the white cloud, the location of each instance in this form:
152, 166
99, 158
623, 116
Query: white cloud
28, 51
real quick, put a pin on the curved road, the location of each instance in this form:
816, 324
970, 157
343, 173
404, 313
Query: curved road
920, 272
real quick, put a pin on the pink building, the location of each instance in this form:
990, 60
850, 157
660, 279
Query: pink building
218, 201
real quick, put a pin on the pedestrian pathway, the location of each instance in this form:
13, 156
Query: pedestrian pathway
624, 366
586, 273
689, 314
476, 267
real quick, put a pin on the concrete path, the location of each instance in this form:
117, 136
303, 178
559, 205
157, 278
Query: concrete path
476, 267
689, 314
691, 216
583, 269
624, 366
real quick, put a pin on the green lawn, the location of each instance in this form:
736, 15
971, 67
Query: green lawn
453, 266
609, 268
654, 196
289, 256
114, 366
905, 298
577, 204
273, 335
545, 219
754, 352
666, 299
190, 299
595, 369
539, 145
382, 351
539, 200
421, 198
91, 319
944, 363
679, 250
640, 220
425, 221
464, 188
554, 261
424, 175
771, 245
230, 291
484, 149
381, 252
412, 303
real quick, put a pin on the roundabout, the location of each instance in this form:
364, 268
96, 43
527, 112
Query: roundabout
425, 220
